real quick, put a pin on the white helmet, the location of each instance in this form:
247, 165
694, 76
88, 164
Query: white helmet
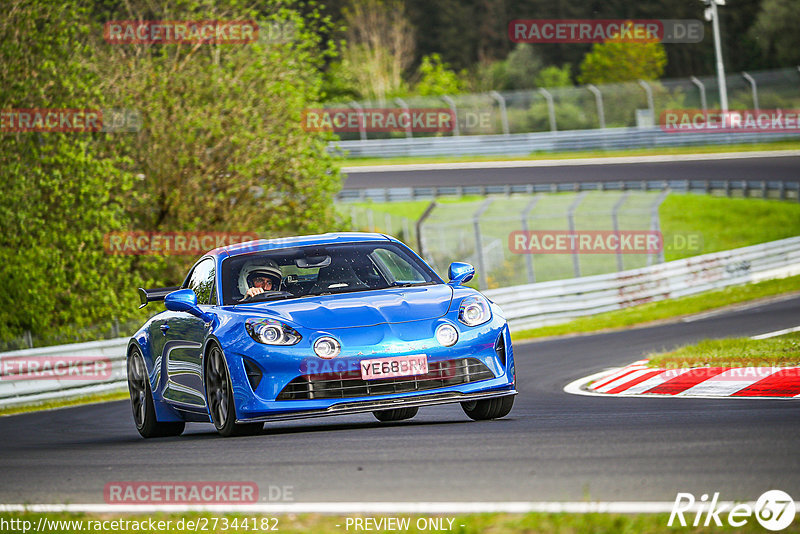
259, 267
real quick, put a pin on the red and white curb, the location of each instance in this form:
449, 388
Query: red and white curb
699, 382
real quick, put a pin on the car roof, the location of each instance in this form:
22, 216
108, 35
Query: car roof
260, 245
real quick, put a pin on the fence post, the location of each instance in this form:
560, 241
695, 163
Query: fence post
551, 109
402, 103
529, 257
702, 88
576, 267
452, 104
28, 339
503, 112
650, 104
655, 225
598, 99
425, 215
362, 131
754, 89
615, 223
371, 220
476, 224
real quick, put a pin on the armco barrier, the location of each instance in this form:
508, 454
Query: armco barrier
539, 304
525, 306
16, 392
526, 143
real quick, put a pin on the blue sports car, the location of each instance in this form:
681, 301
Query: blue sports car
317, 325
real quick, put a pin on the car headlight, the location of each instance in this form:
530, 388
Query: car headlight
474, 311
447, 335
271, 332
327, 347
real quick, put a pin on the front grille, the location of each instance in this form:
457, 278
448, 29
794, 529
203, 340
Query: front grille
346, 384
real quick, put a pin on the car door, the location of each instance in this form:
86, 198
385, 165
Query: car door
185, 335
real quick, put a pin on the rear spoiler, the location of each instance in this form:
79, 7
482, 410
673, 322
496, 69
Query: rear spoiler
155, 294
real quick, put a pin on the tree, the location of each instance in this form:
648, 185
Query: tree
60, 195
616, 61
436, 78
379, 47
775, 31
553, 76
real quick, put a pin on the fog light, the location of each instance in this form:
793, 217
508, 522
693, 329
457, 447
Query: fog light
447, 335
327, 347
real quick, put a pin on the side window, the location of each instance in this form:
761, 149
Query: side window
202, 281
401, 270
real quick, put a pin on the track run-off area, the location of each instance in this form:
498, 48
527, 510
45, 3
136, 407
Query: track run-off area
554, 446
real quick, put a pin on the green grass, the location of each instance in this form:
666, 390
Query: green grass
665, 309
462, 524
708, 149
727, 223
737, 352
54, 404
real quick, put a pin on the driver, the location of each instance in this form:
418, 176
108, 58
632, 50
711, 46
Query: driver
263, 278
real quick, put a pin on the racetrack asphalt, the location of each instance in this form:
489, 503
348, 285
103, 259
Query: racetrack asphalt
769, 168
552, 447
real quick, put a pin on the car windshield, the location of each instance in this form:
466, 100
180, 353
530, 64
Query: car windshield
324, 269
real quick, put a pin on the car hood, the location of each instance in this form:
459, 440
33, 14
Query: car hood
363, 308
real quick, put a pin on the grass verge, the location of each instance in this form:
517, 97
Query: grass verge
783, 351
64, 403
542, 523
665, 309
706, 149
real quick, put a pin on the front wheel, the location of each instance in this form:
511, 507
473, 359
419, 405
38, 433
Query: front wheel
219, 395
488, 409
144, 411
397, 414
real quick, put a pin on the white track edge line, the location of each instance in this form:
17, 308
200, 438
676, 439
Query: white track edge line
344, 508
777, 333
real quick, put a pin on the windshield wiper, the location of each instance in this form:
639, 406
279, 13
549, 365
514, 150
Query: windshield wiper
411, 284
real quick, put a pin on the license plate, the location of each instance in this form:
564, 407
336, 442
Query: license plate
394, 366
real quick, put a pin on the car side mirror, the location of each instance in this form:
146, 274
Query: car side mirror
460, 273
185, 300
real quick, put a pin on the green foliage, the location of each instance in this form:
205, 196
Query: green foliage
221, 148
521, 67
618, 61
436, 78
775, 31
553, 76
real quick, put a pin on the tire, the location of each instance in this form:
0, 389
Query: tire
219, 396
397, 414
144, 411
489, 408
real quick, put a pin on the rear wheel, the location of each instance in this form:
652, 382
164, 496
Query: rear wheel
144, 411
397, 414
219, 395
488, 409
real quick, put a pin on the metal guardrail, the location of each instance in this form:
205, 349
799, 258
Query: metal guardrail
746, 188
544, 303
32, 390
525, 306
558, 141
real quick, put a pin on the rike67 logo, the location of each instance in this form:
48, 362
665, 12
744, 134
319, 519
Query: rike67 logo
774, 510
